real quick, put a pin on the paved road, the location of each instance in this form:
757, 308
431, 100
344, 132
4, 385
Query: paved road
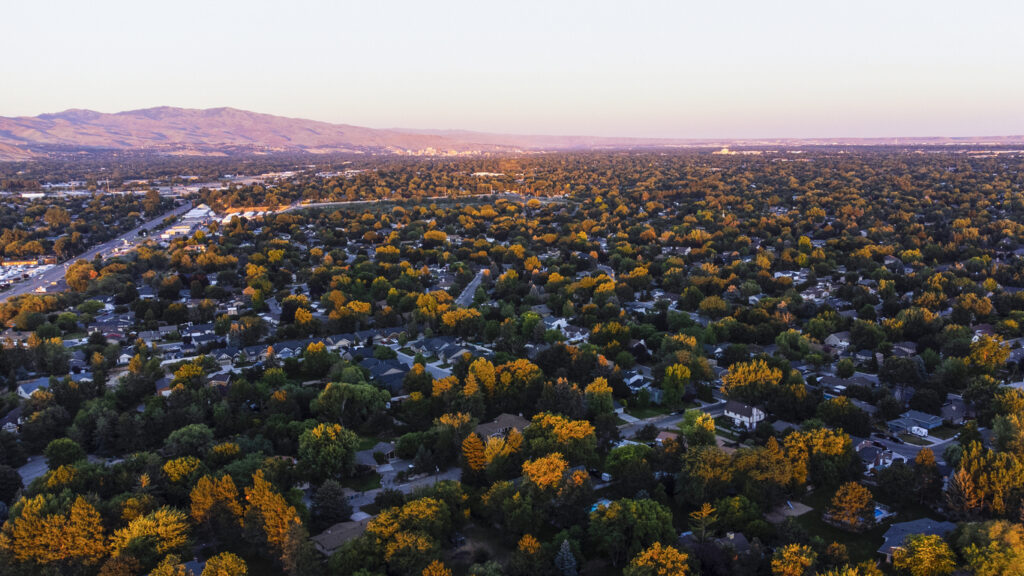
466, 297
911, 450
668, 420
56, 274
435, 369
499, 195
387, 482
35, 468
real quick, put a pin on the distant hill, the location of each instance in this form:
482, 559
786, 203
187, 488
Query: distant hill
187, 130
224, 130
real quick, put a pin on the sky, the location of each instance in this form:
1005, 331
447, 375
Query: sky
647, 68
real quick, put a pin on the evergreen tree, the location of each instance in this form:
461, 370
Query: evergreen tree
565, 561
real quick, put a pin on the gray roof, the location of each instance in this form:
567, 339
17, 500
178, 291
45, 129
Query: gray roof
898, 532
734, 407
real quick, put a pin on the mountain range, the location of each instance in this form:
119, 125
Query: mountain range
219, 131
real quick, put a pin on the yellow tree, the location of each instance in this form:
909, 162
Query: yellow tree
658, 560
270, 514
546, 472
598, 395
701, 519
216, 501
751, 381
793, 560
851, 505
528, 544
225, 564
924, 555
165, 530
436, 568
473, 452
32, 535
171, 566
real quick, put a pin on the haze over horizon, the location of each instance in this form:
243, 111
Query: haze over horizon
660, 69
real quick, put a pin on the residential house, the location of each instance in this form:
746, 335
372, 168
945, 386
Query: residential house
666, 436
914, 421
12, 420
895, 536
954, 411
328, 541
390, 374
744, 415
502, 425
26, 389
876, 456
838, 341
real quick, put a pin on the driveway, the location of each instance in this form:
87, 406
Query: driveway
435, 368
35, 468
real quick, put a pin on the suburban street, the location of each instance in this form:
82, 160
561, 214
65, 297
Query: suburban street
434, 368
465, 299
388, 482
668, 421
56, 274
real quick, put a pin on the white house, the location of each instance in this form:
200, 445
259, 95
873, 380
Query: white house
744, 415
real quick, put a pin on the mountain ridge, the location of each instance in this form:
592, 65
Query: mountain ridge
170, 129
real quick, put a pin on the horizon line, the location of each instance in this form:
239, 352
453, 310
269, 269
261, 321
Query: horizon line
442, 131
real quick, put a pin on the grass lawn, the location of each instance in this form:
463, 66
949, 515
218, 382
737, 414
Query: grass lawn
914, 439
362, 483
944, 432
649, 412
860, 546
723, 428
367, 442
371, 509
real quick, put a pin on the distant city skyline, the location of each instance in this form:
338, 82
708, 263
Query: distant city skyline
788, 69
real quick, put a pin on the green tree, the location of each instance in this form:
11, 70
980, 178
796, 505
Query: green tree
625, 527
190, 440
674, 384
10, 484
63, 451
565, 561
330, 505
350, 404
327, 451
698, 428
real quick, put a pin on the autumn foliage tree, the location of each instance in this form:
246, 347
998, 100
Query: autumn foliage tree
924, 555
270, 519
794, 560
852, 506
38, 535
658, 560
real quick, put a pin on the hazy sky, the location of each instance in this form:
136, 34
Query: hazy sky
631, 68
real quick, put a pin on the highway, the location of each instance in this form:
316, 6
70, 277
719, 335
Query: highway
497, 195
56, 274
